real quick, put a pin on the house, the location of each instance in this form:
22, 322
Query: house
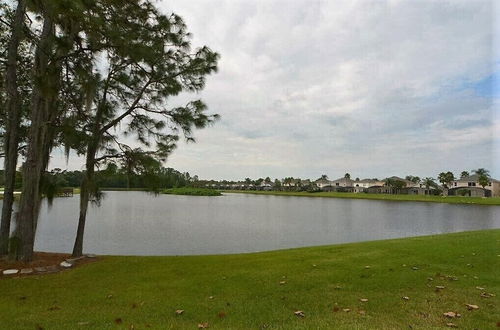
322, 183
407, 183
267, 186
367, 183
469, 186
343, 182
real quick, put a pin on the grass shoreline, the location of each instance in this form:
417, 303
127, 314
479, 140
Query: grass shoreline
385, 197
263, 290
190, 191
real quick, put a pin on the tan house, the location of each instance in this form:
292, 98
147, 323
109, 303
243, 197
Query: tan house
470, 186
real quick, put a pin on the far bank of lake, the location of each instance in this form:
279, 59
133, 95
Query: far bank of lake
385, 197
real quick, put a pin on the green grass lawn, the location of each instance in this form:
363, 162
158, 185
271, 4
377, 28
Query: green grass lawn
244, 291
192, 191
416, 198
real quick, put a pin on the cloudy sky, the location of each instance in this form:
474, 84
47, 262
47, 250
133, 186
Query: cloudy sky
374, 88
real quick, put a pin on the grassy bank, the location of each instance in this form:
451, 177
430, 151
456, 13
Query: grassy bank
192, 191
244, 291
124, 189
413, 198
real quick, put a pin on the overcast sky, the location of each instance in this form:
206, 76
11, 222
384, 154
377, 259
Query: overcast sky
373, 88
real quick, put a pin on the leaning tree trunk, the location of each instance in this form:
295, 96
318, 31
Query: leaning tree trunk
38, 144
13, 113
85, 191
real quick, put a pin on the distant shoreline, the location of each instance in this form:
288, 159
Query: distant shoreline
386, 197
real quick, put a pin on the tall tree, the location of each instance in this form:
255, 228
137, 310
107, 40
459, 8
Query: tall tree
58, 42
464, 174
347, 176
12, 122
149, 63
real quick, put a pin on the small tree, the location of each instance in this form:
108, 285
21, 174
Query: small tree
446, 178
483, 180
464, 174
414, 179
347, 176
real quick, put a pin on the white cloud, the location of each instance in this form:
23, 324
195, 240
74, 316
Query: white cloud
371, 87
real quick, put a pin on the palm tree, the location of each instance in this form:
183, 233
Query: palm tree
481, 171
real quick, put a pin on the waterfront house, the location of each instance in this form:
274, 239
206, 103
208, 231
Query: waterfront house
469, 186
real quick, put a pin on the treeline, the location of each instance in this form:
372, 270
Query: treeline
116, 177
95, 78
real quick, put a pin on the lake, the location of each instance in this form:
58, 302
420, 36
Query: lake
138, 223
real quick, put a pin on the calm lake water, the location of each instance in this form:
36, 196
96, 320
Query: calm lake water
137, 223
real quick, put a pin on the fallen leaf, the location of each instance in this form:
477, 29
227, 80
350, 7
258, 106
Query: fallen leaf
38, 327
451, 315
299, 313
83, 323
471, 307
486, 295
363, 300
479, 288
451, 325
203, 325
347, 310
362, 312
221, 314
118, 321
179, 311
440, 287
134, 305
109, 296
406, 298
211, 297
336, 309
54, 308
414, 268
282, 282
367, 267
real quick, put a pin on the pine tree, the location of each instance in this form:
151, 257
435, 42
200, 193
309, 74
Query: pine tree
146, 66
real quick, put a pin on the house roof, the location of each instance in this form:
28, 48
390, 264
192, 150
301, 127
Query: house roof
399, 179
473, 178
368, 181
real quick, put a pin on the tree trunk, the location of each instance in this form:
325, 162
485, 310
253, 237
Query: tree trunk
85, 191
13, 113
84, 203
42, 104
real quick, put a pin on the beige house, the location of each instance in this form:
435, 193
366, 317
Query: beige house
472, 183
367, 183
